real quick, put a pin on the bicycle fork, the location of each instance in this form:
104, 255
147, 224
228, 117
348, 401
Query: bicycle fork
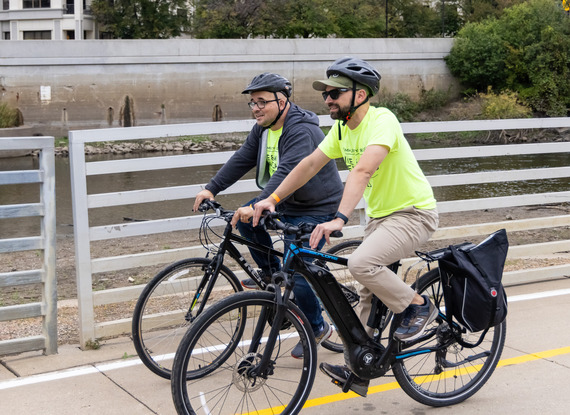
207, 283
265, 366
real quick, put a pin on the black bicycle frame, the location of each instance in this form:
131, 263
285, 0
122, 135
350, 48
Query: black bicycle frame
367, 358
207, 283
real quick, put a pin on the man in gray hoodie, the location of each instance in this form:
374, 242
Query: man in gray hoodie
284, 134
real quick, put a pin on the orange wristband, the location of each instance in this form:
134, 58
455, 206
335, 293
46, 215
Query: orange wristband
274, 196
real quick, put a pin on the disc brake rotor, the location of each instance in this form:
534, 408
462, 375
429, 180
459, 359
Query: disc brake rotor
241, 378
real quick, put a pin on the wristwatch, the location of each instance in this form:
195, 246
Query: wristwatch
340, 215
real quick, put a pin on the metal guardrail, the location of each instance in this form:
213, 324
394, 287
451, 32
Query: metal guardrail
46, 242
83, 202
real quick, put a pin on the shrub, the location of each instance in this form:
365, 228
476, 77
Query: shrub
9, 117
526, 50
503, 106
400, 104
478, 56
406, 109
432, 99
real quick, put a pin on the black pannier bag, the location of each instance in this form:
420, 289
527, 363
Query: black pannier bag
472, 287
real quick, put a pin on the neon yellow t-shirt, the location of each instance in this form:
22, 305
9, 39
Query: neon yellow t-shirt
399, 181
272, 156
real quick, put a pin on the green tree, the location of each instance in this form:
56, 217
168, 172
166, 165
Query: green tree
415, 18
141, 19
477, 10
356, 19
287, 18
526, 50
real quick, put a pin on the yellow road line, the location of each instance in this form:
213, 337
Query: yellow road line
394, 385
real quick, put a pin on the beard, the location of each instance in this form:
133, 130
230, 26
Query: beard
340, 113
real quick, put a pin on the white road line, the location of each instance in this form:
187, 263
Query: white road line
120, 364
536, 296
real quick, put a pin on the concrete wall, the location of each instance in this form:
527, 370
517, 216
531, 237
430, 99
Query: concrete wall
66, 85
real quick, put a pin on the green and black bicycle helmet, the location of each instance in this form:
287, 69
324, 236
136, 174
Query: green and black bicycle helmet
271, 82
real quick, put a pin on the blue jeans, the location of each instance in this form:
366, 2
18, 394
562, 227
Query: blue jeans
304, 295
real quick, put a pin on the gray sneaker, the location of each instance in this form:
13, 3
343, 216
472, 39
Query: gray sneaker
252, 285
416, 318
324, 333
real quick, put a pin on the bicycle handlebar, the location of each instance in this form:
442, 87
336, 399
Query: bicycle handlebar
269, 219
303, 229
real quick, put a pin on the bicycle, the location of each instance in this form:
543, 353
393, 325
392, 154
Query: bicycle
253, 372
173, 299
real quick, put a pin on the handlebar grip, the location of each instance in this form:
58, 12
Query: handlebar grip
337, 234
208, 204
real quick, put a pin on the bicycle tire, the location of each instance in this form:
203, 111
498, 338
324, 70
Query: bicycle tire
345, 278
426, 380
159, 317
231, 388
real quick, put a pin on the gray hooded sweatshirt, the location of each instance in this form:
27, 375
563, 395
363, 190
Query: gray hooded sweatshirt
300, 137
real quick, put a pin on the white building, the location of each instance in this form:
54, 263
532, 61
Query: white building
46, 19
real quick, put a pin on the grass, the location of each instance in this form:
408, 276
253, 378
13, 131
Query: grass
9, 117
93, 344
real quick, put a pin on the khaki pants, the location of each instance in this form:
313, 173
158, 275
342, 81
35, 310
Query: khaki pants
387, 240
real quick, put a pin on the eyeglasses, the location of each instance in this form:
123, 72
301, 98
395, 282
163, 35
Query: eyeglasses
334, 93
260, 104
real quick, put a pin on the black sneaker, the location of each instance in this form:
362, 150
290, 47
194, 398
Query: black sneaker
320, 336
416, 318
252, 285
340, 375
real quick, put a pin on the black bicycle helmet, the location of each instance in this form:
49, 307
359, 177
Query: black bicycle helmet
271, 82
358, 70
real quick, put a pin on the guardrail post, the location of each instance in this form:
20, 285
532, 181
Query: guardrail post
47, 198
82, 241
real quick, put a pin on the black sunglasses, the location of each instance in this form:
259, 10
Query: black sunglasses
334, 93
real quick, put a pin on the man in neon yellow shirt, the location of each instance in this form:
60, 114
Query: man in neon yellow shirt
400, 201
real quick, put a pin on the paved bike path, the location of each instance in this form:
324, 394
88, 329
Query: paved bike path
533, 375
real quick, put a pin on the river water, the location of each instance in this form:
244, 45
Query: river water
29, 193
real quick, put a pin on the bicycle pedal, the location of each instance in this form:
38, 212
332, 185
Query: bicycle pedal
348, 383
339, 384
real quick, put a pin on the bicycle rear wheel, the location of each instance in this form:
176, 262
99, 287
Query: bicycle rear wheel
454, 373
349, 285
161, 315
233, 387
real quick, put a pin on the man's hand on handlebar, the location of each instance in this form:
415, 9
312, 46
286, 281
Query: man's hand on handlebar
200, 197
260, 207
324, 229
244, 214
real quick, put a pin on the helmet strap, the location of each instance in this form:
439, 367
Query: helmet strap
280, 111
353, 108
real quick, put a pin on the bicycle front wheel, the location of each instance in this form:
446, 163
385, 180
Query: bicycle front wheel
235, 386
162, 313
453, 373
349, 285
